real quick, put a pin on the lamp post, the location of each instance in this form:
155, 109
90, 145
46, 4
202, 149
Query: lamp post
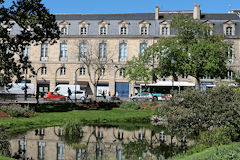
25, 86
75, 82
172, 62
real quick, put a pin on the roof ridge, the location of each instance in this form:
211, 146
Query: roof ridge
99, 13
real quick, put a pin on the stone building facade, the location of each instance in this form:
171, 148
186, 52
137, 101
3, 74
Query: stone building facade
118, 37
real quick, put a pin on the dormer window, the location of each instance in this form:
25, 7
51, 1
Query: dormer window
83, 31
83, 27
144, 30
64, 27
103, 31
64, 31
164, 30
123, 27
144, 27
229, 28
103, 27
123, 30
229, 31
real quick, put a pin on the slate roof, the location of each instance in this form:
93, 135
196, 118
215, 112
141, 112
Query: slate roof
143, 16
219, 16
128, 16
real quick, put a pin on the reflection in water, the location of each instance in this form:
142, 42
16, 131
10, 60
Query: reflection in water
97, 143
41, 150
4, 144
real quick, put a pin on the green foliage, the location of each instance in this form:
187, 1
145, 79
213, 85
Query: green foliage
130, 105
135, 149
18, 111
72, 132
218, 136
4, 144
37, 26
193, 111
232, 153
193, 51
220, 152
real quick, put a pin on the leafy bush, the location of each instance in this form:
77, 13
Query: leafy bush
217, 136
4, 143
232, 153
130, 105
17, 111
194, 111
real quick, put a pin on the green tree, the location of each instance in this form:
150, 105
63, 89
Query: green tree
193, 51
36, 26
202, 53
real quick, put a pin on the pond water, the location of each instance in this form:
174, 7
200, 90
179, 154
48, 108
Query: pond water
96, 142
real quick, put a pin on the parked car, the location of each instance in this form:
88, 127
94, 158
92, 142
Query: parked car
143, 97
80, 95
54, 96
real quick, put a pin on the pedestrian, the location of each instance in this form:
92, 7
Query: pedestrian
69, 94
37, 96
103, 94
109, 94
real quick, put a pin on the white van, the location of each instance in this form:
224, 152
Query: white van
63, 90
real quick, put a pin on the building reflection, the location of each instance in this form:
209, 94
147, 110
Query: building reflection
97, 143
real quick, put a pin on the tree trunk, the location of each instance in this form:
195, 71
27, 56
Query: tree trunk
94, 93
198, 83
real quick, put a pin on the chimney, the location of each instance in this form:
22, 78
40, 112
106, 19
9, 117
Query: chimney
196, 11
157, 10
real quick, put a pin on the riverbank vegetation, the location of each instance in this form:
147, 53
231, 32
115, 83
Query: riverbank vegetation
47, 119
210, 118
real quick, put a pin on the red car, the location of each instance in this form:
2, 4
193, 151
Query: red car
54, 96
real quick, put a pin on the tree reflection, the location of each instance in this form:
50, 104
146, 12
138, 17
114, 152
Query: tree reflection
154, 148
4, 144
72, 133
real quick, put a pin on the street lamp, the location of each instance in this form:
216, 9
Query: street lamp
25, 86
172, 62
75, 82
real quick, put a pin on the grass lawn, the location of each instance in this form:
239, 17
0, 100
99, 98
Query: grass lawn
16, 125
5, 158
231, 149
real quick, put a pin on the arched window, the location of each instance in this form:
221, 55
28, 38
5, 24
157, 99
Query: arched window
83, 31
229, 31
82, 71
63, 71
103, 30
144, 30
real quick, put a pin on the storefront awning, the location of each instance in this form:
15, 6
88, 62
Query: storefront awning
62, 82
43, 82
83, 84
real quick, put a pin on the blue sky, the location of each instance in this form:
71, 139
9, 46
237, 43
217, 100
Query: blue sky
136, 6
